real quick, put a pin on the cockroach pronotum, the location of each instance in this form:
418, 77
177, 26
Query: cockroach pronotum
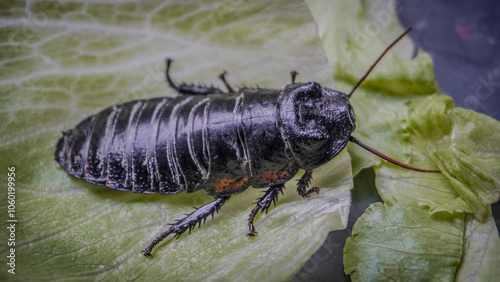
220, 141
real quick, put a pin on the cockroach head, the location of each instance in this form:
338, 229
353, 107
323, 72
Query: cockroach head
317, 122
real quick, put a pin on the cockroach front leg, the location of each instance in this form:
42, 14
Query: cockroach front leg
304, 181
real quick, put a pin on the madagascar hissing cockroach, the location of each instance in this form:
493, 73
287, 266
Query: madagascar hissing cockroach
221, 142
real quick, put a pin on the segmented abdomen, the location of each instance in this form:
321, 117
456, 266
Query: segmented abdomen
116, 147
222, 142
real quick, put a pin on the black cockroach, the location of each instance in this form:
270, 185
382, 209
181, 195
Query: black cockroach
222, 142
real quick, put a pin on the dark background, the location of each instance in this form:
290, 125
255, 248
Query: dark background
463, 39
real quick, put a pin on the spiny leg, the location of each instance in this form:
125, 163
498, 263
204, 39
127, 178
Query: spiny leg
190, 89
294, 75
188, 222
303, 183
222, 76
263, 204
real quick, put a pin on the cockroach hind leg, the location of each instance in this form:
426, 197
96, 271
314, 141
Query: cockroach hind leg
187, 223
188, 89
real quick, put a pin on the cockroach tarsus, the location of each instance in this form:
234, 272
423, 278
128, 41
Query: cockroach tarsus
219, 141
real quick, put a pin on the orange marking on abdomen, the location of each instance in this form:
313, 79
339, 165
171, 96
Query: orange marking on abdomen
269, 177
226, 185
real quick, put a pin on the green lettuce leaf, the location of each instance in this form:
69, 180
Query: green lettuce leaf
431, 189
398, 114
481, 250
464, 145
63, 61
401, 240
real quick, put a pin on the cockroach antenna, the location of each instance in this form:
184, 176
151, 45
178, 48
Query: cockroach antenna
392, 161
376, 62
356, 141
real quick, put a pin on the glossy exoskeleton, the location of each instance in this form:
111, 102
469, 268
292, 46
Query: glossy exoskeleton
221, 142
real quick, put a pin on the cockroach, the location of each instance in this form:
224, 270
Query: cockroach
220, 141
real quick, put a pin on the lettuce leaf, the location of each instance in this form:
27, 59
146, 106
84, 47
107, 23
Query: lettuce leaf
463, 144
481, 250
401, 240
399, 113
63, 61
